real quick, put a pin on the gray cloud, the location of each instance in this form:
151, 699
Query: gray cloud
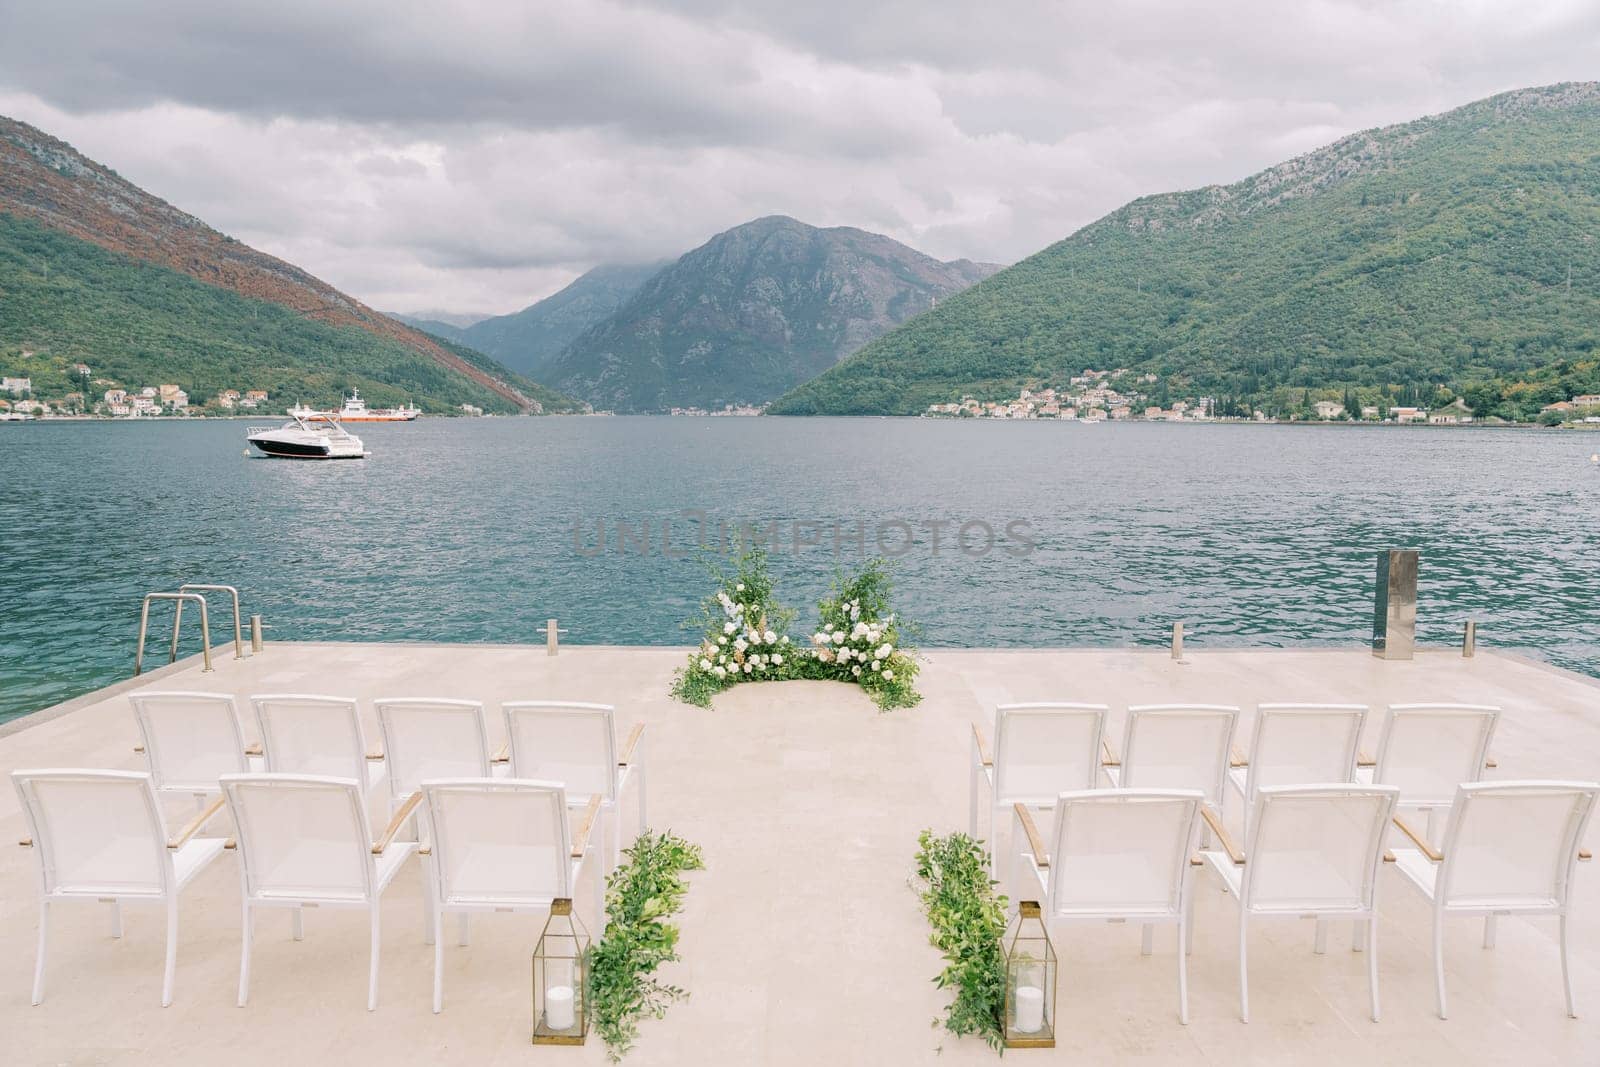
478, 157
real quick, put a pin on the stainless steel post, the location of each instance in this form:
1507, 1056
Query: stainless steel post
255, 634
551, 641
1469, 639
1177, 640
1394, 615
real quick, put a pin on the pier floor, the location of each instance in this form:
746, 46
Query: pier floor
803, 942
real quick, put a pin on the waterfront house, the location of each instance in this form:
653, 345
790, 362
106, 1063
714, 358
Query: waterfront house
1328, 409
1454, 413
258, 395
31, 407
143, 405
1588, 400
116, 396
1408, 414
17, 386
149, 391
173, 397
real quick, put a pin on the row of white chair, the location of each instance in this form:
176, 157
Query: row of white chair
1125, 854
304, 841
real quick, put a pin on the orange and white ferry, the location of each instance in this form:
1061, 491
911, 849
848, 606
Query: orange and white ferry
355, 410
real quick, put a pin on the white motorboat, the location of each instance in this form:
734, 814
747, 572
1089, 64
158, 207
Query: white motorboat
303, 439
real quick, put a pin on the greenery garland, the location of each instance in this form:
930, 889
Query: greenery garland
641, 894
745, 636
969, 925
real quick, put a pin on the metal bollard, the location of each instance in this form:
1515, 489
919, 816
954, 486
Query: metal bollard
1469, 639
1394, 614
1177, 641
255, 634
551, 642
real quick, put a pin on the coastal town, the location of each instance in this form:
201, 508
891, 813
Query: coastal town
18, 400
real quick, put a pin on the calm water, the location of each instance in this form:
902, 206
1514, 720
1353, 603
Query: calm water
464, 530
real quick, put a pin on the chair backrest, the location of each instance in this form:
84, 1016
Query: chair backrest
190, 739
1121, 851
1178, 746
1316, 847
556, 741
428, 738
1304, 744
1513, 844
315, 735
96, 832
302, 836
1044, 749
499, 842
1429, 749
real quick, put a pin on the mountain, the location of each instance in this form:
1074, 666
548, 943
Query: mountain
454, 319
96, 270
527, 340
750, 313
1458, 251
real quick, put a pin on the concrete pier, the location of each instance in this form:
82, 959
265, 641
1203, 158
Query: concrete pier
803, 942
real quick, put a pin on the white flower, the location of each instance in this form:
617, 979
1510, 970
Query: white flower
844, 655
838, 638
741, 644
748, 668
885, 650
856, 671
876, 665
728, 627
784, 640
819, 638
722, 640
888, 676
720, 672
771, 637
739, 588
738, 609
705, 664
777, 661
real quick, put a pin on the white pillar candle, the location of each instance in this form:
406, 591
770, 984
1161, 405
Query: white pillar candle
558, 1007
1030, 1009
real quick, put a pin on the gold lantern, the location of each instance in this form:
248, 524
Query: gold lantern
1030, 1017
560, 979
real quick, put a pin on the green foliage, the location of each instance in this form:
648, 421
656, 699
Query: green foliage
641, 895
969, 924
134, 323
860, 638
1452, 252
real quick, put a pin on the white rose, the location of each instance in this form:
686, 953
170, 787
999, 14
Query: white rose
844, 655
784, 640
885, 650
728, 627
888, 676
722, 640
748, 668
838, 638
875, 665
777, 661
741, 644
720, 672
739, 588
856, 671
771, 637
705, 664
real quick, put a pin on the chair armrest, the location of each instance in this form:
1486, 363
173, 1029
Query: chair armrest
503, 755
580, 840
1388, 857
138, 748
401, 814
984, 755
255, 749
1365, 758
1041, 858
1421, 842
375, 755
26, 842
1225, 839
1236, 758
625, 757
1110, 758
1585, 854
193, 826
1490, 763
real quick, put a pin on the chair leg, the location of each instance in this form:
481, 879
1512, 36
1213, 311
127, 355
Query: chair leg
430, 917
463, 929
244, 955
1372, 963
1566, 972
372, 972
1244, 969
297, 923
436, 918
1147, 940
1185, 931
1319, 943
1488, 931
172, 949
644, 822
44, 941
1438, 960
116, 918
972, 795
1188, 924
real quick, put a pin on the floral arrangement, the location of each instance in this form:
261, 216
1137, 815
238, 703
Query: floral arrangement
968, 922
744, 636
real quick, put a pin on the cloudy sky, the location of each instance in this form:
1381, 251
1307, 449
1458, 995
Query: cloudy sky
475, 156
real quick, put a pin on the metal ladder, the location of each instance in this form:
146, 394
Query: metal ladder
190, 593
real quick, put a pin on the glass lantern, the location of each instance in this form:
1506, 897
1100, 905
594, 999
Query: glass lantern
1030, 981
560, 977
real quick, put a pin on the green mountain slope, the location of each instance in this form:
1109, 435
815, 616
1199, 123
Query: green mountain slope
750, 313
64, 300
1461, 250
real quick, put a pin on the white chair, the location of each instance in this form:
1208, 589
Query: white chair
1175, 746
1299, 744
1119, 854
190, 740
304, 840
576, 745
1041, 751
316, 735
1509, 849
99, 836
1427, 750
1314, 851
502, 845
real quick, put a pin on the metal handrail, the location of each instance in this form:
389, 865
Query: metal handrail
238, 631
144, 626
